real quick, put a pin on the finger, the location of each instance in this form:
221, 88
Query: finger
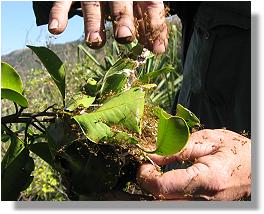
139, 24
58, 17
123, 21
175, 184
201, 143
94, 28
155, 25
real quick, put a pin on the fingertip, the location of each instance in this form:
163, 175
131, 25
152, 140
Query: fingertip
124, 35
58, 17
95, 40
144, 172
159, 48
53, 27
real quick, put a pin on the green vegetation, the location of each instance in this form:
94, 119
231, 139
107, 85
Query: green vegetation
98, 126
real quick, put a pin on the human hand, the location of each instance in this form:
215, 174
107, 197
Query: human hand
149, 17
221, 169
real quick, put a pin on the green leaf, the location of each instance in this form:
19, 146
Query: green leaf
17, 176
42, 150
116, 77
14, 96
53, 65
125, 109
4, 138
10, 79
173, 134
16, 168
56, 135
154, 74
136, 51
16, 146
121, 138
188, 116
90, 87
92, 58
11, 85
80, 100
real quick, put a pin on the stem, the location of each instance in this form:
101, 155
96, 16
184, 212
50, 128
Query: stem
38, 128
16, 108
26, 131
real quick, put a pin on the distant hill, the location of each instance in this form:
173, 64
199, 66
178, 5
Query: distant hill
24, 60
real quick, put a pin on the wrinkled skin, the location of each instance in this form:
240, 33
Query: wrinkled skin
221, 169
145, 20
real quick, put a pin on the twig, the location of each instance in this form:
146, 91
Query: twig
38, 128
16, 108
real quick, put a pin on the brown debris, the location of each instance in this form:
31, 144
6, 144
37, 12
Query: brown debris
234, 150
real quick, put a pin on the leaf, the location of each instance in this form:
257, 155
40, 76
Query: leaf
91, 87
14, 96
136, 51
187, 115
125, 109
121, 138
10, 79
42, 150
92, 58
53, 65
17, 176
116, 77
56, 135
4, 138
80, 100
154, 74
11, 85
16, 146
173, 134
16, 168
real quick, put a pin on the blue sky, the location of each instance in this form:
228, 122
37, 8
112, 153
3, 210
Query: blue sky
18, 27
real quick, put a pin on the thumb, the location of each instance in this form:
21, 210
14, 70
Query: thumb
174, 184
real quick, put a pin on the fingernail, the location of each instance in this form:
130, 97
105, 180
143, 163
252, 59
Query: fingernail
94, 37
124, 35
94, 40
54, 24
123, 32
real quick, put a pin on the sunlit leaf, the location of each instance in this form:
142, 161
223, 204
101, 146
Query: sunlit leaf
173, 134
187, 115
11, 85
80, 100
116, 77
14, 96
154, 74
125, 109
10, 79
54, 66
